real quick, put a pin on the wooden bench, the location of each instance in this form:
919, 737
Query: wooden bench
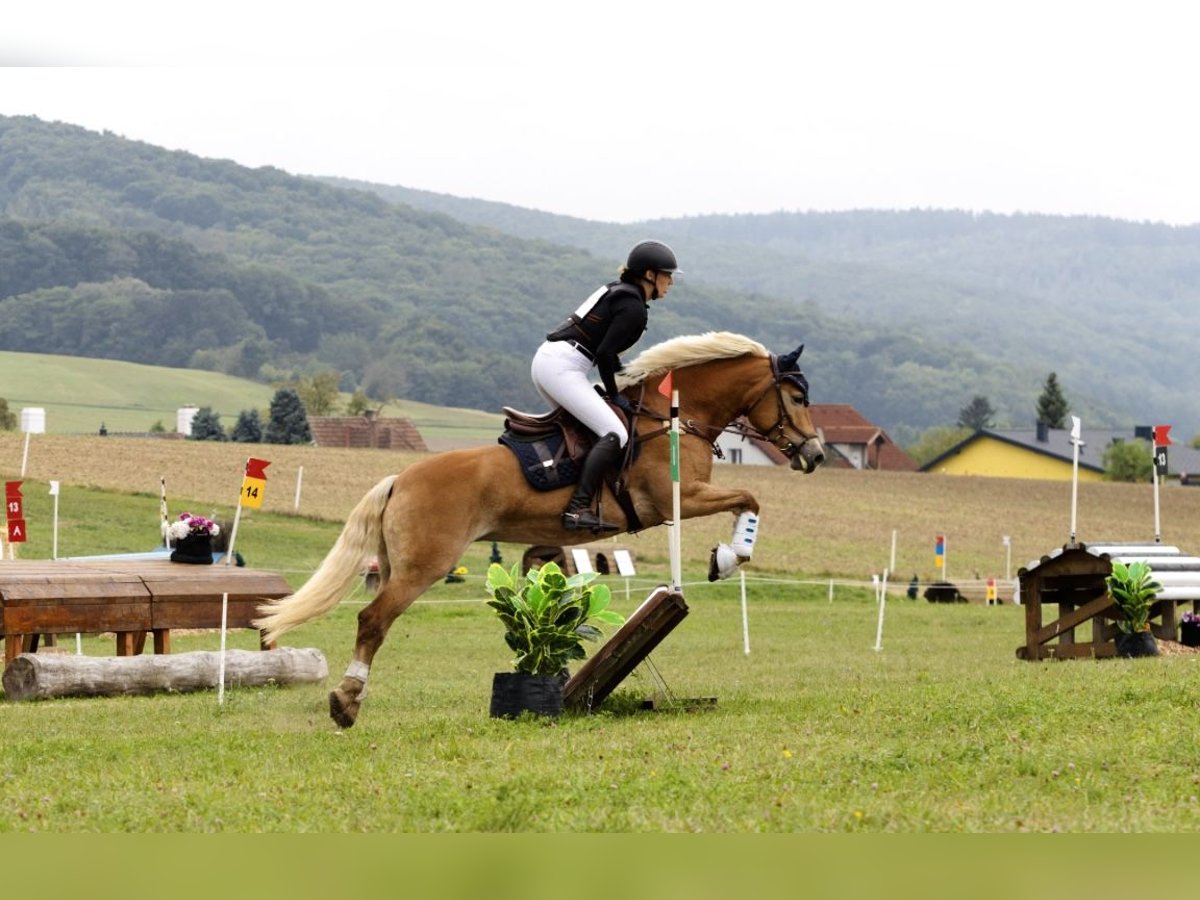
131, 598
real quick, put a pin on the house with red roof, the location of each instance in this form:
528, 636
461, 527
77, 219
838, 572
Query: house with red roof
854, 442
368, 430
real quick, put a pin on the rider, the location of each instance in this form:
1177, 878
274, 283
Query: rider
610, 321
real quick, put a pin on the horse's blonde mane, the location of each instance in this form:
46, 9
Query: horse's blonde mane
688, 350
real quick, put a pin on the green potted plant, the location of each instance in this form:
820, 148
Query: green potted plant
1133, 588
546, 618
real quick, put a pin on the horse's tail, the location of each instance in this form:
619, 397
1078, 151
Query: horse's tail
360, 537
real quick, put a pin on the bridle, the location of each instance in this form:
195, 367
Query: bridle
776, 435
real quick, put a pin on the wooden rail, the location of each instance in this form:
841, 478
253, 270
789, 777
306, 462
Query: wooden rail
131, 598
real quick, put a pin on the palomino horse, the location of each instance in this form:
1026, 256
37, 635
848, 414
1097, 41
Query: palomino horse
420, 521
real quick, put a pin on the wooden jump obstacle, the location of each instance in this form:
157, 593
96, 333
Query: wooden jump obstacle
642, 632
128, 597
1073, 580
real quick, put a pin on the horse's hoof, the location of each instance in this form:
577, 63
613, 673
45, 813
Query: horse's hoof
722, 562
342, 708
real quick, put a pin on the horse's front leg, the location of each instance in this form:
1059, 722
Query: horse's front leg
702, 499
705, 499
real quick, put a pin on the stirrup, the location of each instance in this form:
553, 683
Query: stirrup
585, 518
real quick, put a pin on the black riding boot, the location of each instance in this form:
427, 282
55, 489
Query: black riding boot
600, 459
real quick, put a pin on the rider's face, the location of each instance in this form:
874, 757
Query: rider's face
663, 281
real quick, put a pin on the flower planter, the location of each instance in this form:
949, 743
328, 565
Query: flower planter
1140, 643
195, 549
1189, 634
516, 692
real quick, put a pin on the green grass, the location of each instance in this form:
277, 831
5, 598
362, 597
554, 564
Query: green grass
80, 394
942, 730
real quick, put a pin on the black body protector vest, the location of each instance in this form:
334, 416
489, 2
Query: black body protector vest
608, 322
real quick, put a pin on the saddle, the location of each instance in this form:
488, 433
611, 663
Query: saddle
551, 448
558, 423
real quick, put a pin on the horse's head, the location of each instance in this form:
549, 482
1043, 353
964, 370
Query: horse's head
787, 423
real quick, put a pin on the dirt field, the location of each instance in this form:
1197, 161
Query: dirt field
834, 523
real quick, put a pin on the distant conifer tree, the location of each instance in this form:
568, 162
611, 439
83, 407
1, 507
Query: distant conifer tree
289, 421
206, 426
1052, 406
248, 429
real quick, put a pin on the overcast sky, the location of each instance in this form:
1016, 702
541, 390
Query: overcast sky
624, 111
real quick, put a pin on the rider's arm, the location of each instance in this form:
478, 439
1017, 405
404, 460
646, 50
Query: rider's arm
626, 326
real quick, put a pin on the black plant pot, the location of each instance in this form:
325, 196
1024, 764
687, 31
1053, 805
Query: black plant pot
195, 549
1140, 643
515, 692
1189, 634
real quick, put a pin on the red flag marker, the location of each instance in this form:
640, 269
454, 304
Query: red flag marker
665, 386
256, 468
1161, 438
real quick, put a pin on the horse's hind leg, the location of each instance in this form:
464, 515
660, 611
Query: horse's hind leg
407, 582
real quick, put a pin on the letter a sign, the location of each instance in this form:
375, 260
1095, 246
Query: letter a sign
254, 485
14, 512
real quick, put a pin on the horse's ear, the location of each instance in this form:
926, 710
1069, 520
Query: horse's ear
790, 362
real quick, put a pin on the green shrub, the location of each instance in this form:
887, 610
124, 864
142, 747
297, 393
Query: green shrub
547, 616
1133, 588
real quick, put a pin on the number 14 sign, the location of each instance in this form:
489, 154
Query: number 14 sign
254, 485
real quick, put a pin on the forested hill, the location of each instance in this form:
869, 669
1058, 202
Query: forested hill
1109, 305
114, 248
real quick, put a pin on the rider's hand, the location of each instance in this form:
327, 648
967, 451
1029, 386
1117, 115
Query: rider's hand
623, 404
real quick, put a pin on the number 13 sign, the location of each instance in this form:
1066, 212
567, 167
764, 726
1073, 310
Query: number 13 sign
14, 512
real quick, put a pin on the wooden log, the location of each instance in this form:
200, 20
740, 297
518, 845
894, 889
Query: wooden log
41, 676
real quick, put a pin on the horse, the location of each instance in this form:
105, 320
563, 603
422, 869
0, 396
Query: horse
421, 520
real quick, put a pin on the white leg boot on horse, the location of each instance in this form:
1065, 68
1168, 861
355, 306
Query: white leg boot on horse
578, 514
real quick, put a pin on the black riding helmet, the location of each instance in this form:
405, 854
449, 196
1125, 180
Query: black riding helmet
653, 255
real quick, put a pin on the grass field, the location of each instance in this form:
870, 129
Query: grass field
943, 729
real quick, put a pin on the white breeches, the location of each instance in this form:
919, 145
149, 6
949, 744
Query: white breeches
561, 375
